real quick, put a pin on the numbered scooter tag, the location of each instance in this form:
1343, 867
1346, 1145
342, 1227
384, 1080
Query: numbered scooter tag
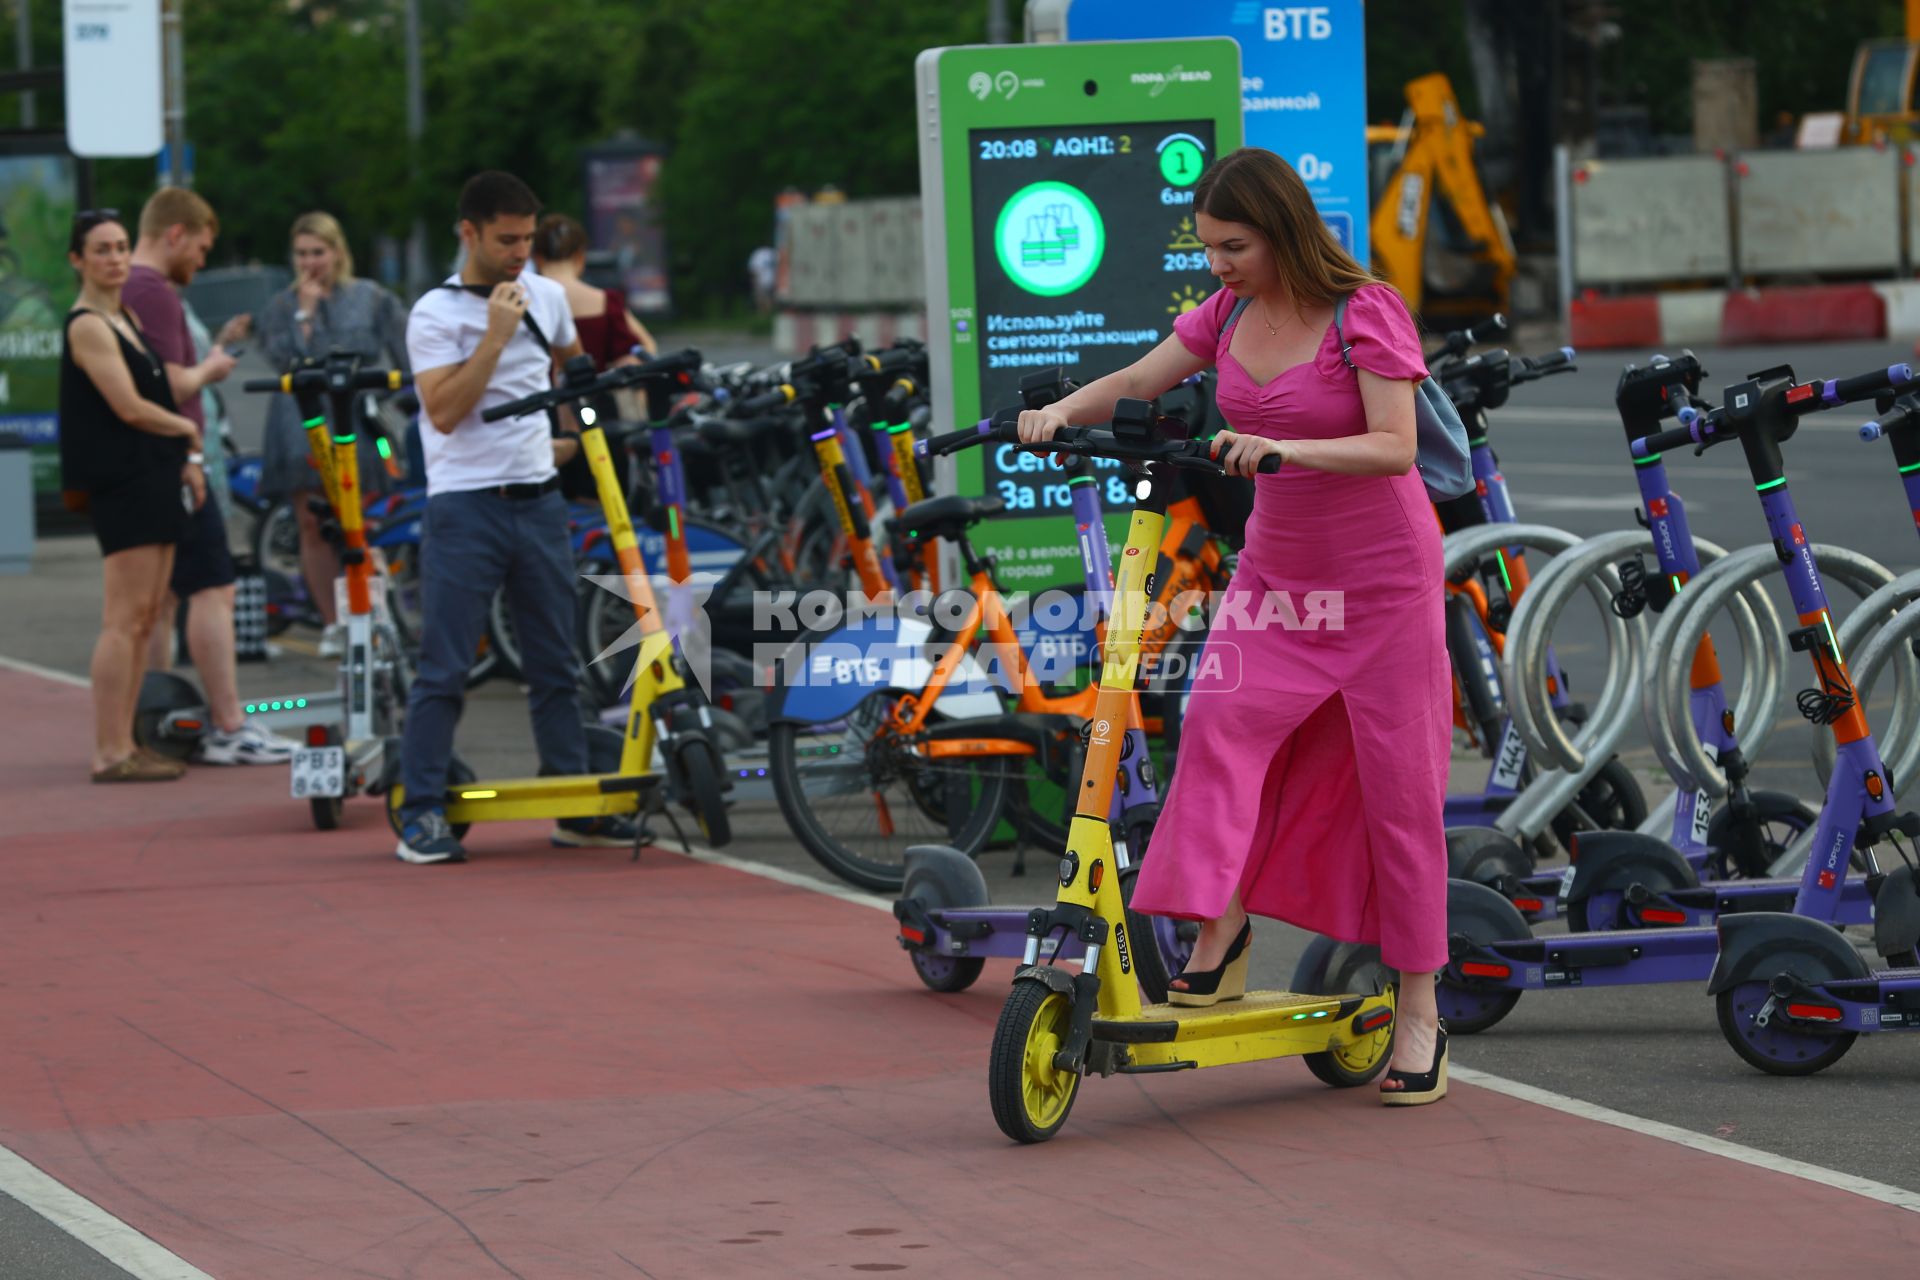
1511, 761
1566, 882
1702, 816
318, 772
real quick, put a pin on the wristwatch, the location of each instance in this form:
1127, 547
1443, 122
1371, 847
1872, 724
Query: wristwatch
196, 459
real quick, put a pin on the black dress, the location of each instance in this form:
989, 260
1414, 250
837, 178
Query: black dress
130, 479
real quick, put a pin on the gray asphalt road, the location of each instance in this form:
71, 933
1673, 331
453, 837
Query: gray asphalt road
1652, 1052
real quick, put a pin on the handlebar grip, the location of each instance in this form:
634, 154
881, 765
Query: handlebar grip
265, 384
954, 441
778, 398
1661, 441
1901, 413
514, 408
1841, 390
1494, 327
1559, 361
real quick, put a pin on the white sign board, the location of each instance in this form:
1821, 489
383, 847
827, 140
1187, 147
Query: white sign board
113, 77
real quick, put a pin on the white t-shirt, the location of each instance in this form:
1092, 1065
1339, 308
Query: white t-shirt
445, 328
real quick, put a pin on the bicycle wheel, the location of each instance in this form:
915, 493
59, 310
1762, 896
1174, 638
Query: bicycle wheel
857, 796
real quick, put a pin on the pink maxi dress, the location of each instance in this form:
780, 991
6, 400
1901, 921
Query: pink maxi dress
1313, 755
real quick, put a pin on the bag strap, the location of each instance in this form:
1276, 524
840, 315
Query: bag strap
1232, 316
485, 291
1346, 348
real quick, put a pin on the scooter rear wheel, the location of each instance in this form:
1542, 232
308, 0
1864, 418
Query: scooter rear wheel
1479, 915
1031, 1096
1349, 1066
458, 774
947, 974
326, 812
1781, 1048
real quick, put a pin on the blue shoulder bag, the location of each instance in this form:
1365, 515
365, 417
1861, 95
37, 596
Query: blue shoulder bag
1440, 438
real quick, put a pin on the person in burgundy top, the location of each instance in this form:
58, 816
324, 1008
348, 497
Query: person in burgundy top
608, 330
177, 228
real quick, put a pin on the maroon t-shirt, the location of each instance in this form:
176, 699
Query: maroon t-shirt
156, 304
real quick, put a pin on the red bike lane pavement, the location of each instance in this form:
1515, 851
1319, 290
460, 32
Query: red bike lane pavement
281, 1053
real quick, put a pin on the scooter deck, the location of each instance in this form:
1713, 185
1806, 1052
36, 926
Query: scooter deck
583, 796
1261, 1024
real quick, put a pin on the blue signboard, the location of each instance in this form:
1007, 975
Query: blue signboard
1303, 84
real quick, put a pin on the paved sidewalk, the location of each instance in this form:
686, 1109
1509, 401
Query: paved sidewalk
280, 1055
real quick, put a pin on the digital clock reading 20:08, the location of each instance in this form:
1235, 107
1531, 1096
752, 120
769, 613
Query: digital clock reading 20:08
1085, 253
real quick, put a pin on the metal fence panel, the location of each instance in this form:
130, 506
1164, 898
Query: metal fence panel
1812, 211
1655, 219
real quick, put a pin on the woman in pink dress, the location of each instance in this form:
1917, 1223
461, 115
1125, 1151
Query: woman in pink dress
1313, 755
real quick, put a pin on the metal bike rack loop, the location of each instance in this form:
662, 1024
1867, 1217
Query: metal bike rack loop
1532, 811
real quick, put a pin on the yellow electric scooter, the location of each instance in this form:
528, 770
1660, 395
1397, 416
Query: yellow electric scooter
1058, 1026
664, 709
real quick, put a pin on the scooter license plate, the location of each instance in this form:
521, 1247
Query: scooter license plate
319, 771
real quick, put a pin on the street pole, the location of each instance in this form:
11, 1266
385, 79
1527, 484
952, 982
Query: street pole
23, 56
416, 256
997, 32
175, 116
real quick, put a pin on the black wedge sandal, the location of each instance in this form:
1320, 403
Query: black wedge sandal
1211, 986
1421, 1087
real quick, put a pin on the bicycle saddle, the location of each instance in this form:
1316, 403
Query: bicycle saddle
946, 516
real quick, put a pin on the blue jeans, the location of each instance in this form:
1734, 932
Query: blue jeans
473, 544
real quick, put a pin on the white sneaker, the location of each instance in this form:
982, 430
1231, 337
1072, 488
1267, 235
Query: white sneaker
249, 744
333, 640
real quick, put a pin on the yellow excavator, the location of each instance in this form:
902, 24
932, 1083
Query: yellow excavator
1466, 271
1880, 90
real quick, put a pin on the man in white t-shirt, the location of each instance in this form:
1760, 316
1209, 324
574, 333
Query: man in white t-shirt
495, 517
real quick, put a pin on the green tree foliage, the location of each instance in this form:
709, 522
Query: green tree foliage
801, 95
299, 104
1803, 51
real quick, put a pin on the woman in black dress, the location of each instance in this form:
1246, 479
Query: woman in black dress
133, 464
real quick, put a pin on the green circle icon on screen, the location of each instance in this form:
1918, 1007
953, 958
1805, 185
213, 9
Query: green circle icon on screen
1049, 238
1181, 160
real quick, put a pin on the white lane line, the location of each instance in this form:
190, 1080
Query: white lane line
45, 673
91, 1225
796, 879
1899, 1197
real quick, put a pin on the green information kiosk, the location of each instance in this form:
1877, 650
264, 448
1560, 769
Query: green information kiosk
1057, 183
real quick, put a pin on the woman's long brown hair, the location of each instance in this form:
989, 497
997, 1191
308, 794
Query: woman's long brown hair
1256, 187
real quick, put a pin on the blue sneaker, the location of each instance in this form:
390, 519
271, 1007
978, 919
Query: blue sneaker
427, 838
608, 831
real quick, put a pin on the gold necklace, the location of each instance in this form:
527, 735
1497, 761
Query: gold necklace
1271, 331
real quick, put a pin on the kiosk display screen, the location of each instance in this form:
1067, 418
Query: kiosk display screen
1084, 253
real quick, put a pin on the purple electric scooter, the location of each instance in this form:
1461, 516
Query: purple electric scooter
1759, 963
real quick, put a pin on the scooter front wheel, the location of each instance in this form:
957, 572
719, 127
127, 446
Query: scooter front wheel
1784, 1047
702, 792
1031, 1096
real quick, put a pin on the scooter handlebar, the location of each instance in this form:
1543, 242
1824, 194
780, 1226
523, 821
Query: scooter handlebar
316, 378
1561, 361
1862, 386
